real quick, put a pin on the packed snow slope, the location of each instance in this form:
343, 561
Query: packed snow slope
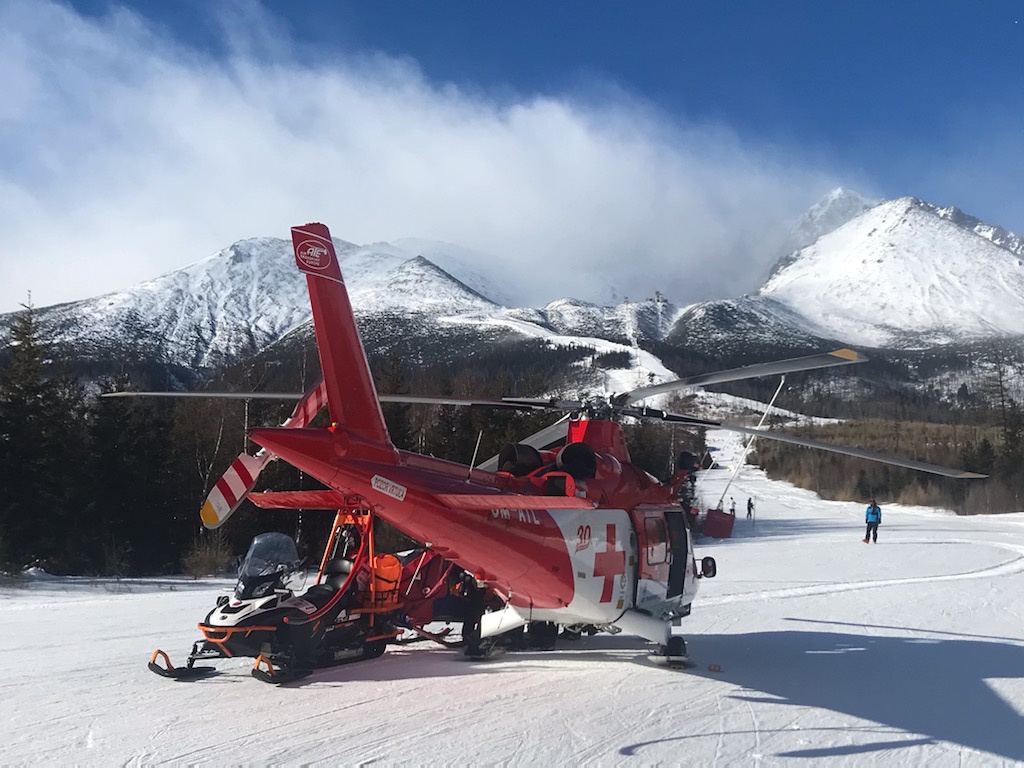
810, 648
906, 273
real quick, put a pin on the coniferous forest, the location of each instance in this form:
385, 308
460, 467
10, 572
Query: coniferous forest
112, 486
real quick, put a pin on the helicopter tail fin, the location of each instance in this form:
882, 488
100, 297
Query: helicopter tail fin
351, 396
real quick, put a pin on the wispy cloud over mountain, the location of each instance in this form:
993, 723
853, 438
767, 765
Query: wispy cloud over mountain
126, 154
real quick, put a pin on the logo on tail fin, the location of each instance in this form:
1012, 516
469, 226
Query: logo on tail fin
313, 255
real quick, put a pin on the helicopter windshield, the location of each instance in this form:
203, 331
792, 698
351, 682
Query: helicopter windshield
272, 562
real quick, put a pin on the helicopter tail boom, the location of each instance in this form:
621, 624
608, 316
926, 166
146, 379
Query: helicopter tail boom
351, 395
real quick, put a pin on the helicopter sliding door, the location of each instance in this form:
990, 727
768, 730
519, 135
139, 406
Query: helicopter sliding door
678, 537
663, 553
654, 555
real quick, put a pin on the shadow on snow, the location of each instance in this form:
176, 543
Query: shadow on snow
935, 689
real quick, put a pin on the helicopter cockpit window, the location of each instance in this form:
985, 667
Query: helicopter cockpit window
657, 541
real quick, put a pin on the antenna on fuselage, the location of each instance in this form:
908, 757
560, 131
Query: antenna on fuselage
750, 442
472, 463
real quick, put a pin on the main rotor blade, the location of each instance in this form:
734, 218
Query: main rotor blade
548, 437
214, 395
808, 363
509, 403
859, 453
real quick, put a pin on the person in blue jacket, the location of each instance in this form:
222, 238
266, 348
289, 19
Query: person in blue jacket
873, 517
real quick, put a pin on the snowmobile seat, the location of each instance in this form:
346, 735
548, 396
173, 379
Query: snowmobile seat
336, 572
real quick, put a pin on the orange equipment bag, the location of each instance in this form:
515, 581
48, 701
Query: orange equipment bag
387, 571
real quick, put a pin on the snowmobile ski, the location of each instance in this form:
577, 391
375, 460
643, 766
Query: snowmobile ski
264, 670
177, 673
437, 637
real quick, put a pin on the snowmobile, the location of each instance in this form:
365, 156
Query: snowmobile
350, 614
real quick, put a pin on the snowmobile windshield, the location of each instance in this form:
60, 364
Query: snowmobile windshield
272, 562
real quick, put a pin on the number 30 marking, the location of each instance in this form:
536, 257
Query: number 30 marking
582, 537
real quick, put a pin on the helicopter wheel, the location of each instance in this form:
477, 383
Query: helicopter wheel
675, 648
542, 635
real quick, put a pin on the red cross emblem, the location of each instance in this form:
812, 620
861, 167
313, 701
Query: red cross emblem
610, 563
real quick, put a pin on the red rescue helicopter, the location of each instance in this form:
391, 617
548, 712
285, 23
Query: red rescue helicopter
559, 530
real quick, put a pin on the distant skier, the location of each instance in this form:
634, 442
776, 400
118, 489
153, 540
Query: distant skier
750, 508
732, 506
873, 518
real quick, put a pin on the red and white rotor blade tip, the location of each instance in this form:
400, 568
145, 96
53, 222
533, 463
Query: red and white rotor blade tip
230, 491
234, 485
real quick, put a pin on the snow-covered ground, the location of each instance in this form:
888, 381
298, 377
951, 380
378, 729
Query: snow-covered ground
810, 647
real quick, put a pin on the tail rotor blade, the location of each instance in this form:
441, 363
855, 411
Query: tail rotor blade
309, 406
234, 485
230, 490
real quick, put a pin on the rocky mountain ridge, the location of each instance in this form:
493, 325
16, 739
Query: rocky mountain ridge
901, 275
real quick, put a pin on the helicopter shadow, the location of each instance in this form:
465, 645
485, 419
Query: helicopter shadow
400, 663
935, 689
396, 664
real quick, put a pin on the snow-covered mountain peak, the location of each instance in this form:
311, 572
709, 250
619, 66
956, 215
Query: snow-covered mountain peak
902, 272
652, 318
835, 209
247, 296
839, 200
566, 303
831, 212
461, 263
417, 285
905, 273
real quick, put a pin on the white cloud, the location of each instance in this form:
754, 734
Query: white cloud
125, 155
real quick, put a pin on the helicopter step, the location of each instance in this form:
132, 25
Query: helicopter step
673, 654
670, 662
484, 651
442, 637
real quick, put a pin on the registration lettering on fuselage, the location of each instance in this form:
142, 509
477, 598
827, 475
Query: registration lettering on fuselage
522, 515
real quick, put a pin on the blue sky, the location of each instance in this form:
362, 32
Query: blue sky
658, 144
